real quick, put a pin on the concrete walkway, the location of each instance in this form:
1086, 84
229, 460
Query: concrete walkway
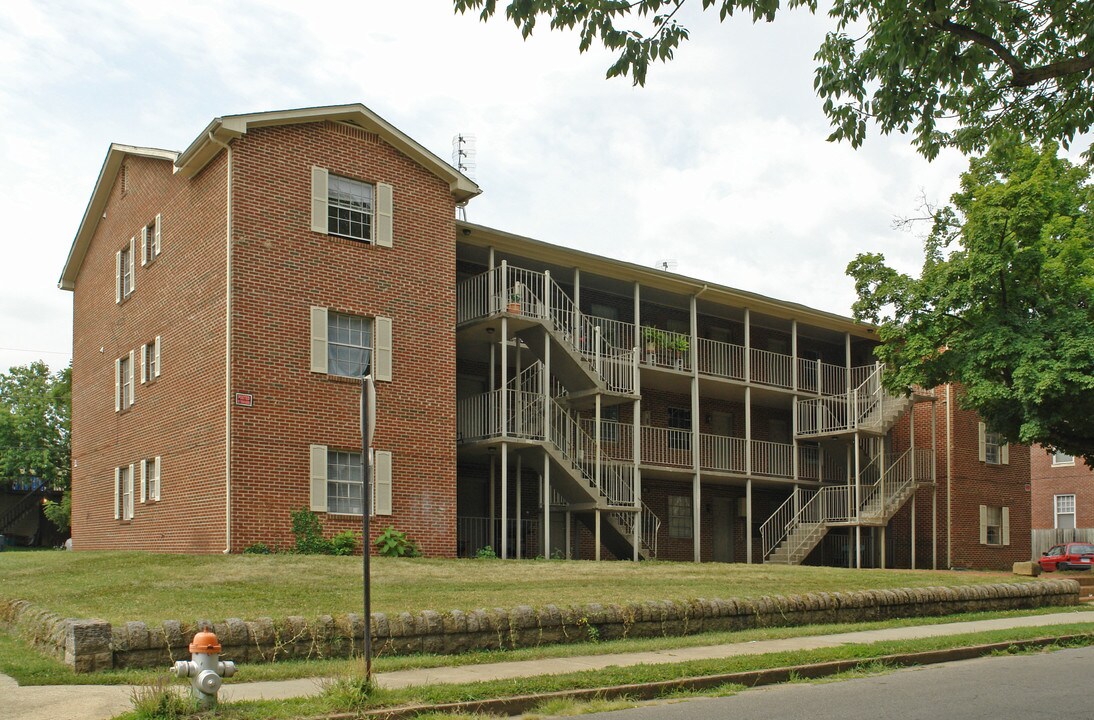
99, 702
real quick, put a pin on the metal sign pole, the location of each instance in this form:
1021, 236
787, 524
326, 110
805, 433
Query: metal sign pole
368, 423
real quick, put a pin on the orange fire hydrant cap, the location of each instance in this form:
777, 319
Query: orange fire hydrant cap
205, 642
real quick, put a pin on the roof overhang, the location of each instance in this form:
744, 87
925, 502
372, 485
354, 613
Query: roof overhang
115, 156
224, 129
483, 236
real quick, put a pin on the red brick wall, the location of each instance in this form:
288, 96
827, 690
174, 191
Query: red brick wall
974, 483
180, 417
1048, 482
281, 269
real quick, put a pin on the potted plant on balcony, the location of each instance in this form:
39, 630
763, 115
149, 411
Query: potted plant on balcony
655, 340
679, 346
514, 302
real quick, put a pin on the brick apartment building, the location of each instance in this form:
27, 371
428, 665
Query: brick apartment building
531, 398
1062, 491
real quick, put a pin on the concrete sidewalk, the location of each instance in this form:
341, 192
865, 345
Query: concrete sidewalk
98, 702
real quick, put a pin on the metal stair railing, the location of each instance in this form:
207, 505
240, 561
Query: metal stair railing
886, 495
536, 295
21, 507
650, 526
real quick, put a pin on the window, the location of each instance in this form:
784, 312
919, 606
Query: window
125, 278
337, 478
123, 492
994, 525
123, 382
1065, 512
350, 345
993, 448
992, 443
1060, 459
345, 478
150, 360
150, 241
680, 519
680, 420
351, 208
150, 479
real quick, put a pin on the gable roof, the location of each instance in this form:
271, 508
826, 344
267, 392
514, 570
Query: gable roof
220, 131
112, 165
208, 144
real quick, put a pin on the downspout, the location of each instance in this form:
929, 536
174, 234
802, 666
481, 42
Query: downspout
227, 350
949, 476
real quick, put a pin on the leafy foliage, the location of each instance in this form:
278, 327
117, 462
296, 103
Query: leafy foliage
308, 531
989, 66
1005, 301
34, 424
60, 513
258, 548
396, 543
344, 543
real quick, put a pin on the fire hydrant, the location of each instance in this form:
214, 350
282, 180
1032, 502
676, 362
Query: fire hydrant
204, 669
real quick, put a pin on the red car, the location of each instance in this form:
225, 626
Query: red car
1069, 556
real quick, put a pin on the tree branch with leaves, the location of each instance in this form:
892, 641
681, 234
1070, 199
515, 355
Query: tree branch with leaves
952, 73
1004, 303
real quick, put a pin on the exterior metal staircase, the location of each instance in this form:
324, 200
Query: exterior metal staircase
584, 359
582, 473
22, 507
793, 530
866, 408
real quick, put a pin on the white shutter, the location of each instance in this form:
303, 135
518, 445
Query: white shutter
132, 399
117, 384
144, 481
983, 524
382, 367
117, 492
1006, 525
319, 340
144, 246
118, 276
319, 478
156, 351
1004, 454
159, 463
156, 239
982, 434
382, 483
132, 264
384, 204
128, 510
319, 200
144, 364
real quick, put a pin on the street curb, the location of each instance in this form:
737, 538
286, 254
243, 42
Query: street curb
518, 704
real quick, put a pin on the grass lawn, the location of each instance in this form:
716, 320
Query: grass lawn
121, 586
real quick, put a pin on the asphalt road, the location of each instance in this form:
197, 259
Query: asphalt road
1050, 685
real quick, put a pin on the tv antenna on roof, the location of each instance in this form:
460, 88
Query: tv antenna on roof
463, 159
666, 265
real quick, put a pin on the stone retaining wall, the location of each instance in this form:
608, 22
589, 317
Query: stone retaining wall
90, 645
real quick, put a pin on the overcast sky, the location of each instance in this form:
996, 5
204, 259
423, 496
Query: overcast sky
720, 163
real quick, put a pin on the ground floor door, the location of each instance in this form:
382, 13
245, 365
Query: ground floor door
725, 518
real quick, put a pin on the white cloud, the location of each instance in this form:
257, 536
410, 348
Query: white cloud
719, 162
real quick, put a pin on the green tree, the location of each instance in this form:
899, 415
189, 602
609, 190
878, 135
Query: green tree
34, 429
1005, 301
983, 67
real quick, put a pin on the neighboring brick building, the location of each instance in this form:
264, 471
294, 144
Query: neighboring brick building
1063, 491
533, 398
